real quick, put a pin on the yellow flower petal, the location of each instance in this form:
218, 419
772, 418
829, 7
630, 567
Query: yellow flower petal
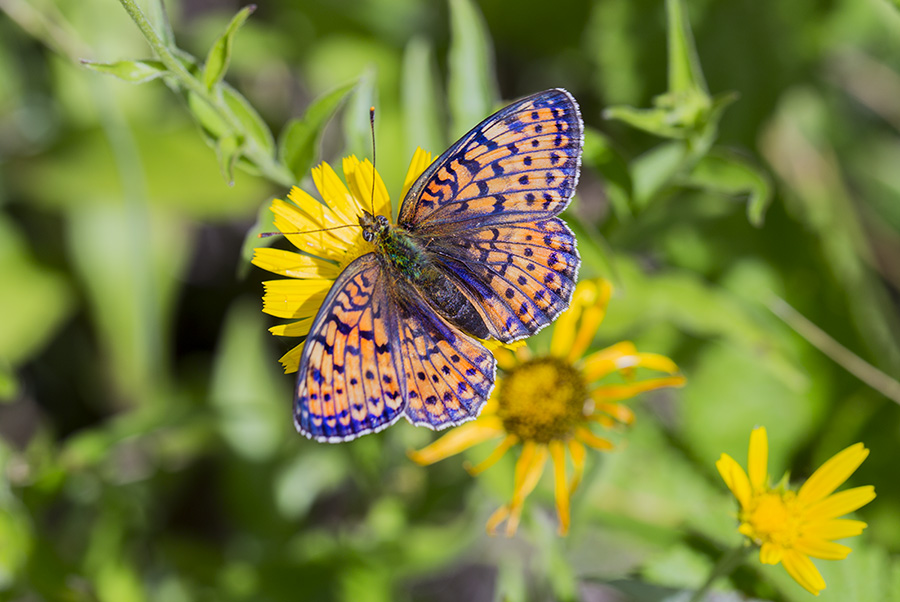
618, 411
564, 328
619, 392
506, 359
591, 319
299, 328
832, 474
840, 503
457, 440
528, 472
294, 265
561, 489
419, 162
758, 459
609, 360
834, 529
818, 548
589, 438
770, 553
359, 179
735, 479
578, 453
335, 194
291, 360
499, 515
294, 298
494, 456
803, 571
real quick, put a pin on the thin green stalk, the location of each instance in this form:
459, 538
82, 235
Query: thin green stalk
270, 168
851, 362
727, 563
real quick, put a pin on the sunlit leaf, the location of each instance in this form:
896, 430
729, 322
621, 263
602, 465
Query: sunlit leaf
213, 124
472, 91
220, 54
300, 139
135, 72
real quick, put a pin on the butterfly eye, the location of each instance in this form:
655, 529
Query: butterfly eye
368, 236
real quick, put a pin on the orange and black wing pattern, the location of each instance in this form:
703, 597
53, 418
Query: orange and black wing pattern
520, 164
447, 375
349, 382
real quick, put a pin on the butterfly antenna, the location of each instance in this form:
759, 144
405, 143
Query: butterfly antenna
268, 234
372, 129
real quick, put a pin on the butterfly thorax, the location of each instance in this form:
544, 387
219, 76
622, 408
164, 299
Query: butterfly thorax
407, 257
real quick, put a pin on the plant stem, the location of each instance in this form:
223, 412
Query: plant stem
726, 564
269, 168
851, 362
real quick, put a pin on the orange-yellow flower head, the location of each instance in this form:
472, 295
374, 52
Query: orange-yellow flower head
324, 254
789, 526
547, 405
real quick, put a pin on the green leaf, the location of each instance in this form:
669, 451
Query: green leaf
228, 149
300, 139
685, 73
247, 388
472, 89
357, 132
255, 128
212, 123
135, 72
422, 98
728, 173
220, 54
654, 121
265, 222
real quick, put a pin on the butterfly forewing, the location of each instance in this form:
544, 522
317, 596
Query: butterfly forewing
520, 164
349, 378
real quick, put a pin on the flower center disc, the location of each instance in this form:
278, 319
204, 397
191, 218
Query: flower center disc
542, 400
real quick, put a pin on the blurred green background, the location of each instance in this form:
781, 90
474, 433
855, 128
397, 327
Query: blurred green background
146, 445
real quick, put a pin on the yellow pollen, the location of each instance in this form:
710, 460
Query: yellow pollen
542, 400
772, 519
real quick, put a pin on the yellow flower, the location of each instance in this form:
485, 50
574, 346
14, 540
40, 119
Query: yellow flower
792, 526
548, 403
324, 254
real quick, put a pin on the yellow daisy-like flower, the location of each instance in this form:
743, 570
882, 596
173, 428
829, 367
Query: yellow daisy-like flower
324, 254
792, 526
547, 404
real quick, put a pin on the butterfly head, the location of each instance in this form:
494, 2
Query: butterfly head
372, 225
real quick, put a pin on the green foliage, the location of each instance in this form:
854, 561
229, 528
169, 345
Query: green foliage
146, 446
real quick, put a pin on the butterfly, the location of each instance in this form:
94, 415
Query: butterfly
477, 253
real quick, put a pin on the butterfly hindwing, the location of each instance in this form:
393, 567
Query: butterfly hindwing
522, 163
349, 379
521, 276
448, 375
